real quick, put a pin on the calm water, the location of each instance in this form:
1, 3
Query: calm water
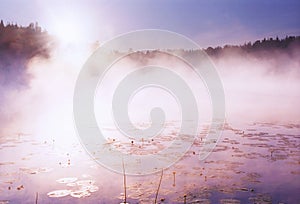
254, 163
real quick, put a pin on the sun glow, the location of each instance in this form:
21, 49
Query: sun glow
68, 32
69, 28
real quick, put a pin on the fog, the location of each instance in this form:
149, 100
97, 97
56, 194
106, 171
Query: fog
258, 88
41, 105
261, 88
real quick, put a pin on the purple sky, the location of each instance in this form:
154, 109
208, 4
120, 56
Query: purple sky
208, 22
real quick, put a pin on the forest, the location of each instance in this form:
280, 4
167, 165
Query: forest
259, 46
19, 44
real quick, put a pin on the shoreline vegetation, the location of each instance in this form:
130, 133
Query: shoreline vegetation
33, 40
19, 44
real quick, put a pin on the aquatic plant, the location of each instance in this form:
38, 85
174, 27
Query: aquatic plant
156, 195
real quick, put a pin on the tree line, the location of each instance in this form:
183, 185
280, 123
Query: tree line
265, 45
18, 45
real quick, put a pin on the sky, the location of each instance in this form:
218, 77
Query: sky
207, 22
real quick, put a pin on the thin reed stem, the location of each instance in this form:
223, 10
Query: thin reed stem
162, 172
36, 197
124, 180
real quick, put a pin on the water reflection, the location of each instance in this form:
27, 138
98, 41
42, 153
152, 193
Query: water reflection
255, 163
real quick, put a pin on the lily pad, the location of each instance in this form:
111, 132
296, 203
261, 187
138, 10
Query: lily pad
58, 193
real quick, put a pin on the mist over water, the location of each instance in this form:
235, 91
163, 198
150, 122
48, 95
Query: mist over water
261, 88
41, 105
258, 88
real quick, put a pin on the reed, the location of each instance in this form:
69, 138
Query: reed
162, 172
36, 197
174, 177
124, 182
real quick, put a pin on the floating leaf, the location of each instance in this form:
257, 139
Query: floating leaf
229, 201
80, 194
85, 182
58, 193
67, 180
